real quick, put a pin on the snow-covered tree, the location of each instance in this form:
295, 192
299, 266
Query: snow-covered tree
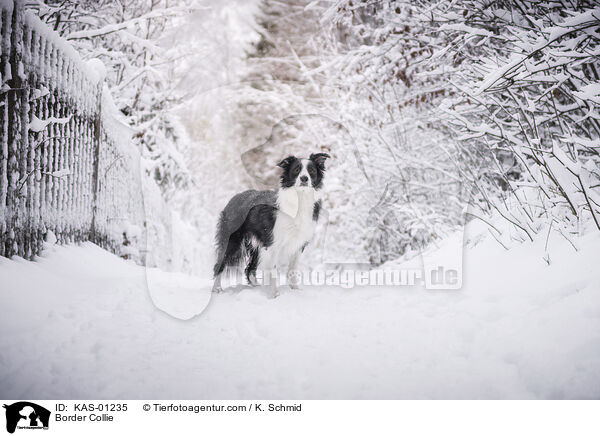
130, 40
491, 99
527, 99
386, 93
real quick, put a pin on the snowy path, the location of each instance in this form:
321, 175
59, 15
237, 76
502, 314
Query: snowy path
80, 324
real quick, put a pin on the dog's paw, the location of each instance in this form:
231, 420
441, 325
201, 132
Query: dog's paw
275, 294
294, 279
217, 289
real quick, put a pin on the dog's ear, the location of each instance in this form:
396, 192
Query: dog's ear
319, 159
286, 162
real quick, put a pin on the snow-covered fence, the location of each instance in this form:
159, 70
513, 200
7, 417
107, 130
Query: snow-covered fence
66, 168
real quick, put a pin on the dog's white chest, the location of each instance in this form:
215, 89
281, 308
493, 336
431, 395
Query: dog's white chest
294, 225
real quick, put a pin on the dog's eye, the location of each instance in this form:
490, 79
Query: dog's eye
297, 170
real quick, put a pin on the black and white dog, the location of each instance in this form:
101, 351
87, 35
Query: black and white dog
268, 229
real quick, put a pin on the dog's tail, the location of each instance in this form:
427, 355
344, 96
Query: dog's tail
221, 241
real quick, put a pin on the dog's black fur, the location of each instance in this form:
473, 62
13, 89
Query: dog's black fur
234, 235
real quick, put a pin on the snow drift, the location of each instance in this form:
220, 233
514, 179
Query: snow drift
80, 323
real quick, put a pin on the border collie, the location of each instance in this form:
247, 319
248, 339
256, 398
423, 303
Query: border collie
267, 229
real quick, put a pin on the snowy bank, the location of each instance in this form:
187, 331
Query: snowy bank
80, 323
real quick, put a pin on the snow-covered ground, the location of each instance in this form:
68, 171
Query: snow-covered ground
81, 323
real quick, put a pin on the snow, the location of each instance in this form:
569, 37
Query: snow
132, 231
96, 70
589, 92
61, 173
37, 125
51, 238
39, 93
48, 34
80, 323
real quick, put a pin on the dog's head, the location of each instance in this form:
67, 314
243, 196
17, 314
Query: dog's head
303, 172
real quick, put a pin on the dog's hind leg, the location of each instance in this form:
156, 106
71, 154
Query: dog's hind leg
217, 288
231, 257
218, 271
251, 267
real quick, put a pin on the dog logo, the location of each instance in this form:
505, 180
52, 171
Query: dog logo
26, 415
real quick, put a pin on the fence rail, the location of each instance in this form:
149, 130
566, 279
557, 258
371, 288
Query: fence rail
65, 168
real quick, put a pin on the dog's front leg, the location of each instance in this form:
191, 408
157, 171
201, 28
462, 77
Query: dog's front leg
274, 289
271, 275
269, 271
294, 276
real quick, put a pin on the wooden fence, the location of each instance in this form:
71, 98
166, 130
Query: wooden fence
65, 169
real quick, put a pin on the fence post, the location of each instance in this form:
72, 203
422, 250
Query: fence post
15, 229
4, 65
94, 237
